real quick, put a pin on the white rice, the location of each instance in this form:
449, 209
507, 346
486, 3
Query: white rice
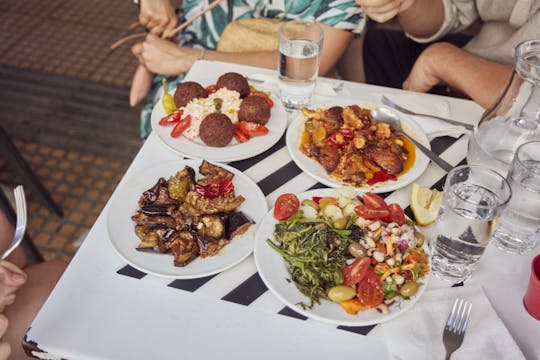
201, 107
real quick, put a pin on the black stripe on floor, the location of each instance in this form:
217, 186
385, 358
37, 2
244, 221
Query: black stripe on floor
131, 272
190, 284
247, 292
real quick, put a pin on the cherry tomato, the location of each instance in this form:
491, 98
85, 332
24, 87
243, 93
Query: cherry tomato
252, 129
211, 89
181, 126
317, 199
369, 291
396, 214
263, 95
172, 118
355, 271
239, 134
374, 201
286, 205
370, 213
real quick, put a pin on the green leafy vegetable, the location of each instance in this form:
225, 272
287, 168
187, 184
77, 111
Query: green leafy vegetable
316, 252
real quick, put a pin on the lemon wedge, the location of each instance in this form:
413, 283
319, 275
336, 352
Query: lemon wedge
425, 204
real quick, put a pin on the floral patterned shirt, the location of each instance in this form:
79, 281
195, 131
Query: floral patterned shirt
206, 30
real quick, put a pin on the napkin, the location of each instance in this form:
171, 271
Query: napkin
322, 87
417, 334
426, 104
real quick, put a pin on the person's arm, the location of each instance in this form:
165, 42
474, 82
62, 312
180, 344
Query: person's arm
166, 58
423, 18
480, 79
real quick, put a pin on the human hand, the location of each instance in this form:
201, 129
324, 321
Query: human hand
425, 74
384, 10
164, 57
5, 348
11, 279
157, 16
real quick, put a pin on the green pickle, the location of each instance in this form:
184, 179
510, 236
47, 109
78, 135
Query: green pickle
168, 101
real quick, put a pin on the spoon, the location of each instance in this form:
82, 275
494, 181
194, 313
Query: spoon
384, 115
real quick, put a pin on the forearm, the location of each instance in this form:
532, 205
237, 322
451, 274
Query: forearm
482, 80
423, 18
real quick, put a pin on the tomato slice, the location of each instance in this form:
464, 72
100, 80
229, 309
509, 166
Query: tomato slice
396, 214
239, 134
172, 118
252, 129
374, 201
370, 213
369, 291
355, 271
286, 205
181, 126
269, 101
210, 89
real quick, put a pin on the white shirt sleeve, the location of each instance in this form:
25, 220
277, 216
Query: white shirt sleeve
458, 15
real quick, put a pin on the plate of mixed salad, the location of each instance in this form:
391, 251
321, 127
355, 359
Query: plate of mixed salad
218, 117
342, 257
339, 144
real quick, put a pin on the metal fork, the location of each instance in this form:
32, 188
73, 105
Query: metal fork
20, 227
388, 102
454, 330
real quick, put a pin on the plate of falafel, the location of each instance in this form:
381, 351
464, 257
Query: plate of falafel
220, 118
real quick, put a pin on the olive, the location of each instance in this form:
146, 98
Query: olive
357, 250
340, 223
311, 203
419, 236
409, 289
341, 293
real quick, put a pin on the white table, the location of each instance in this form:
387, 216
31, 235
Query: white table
102, 308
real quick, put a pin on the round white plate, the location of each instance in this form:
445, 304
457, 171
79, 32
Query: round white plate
122, 229
275, 274
314, 169
234, 151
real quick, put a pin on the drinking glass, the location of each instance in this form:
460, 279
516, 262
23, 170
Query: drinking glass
518, 228
300, 46
473, 197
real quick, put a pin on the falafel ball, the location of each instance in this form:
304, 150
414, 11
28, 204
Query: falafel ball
254, 109
234, 81
216, 130
187, 91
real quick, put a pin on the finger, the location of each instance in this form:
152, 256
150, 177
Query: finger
5, 350
152, 24
4, 322
137, 49
8, 300
406, 84
168, 32
158, 30
144, 19
14, 275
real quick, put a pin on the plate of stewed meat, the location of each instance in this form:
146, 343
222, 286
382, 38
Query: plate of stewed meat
218, 118
340, 144
185, 219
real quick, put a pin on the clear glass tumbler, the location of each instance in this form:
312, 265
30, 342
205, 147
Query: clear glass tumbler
518, 228
300, 45
473, 198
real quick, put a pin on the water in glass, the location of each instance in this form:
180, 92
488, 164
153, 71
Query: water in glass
518, 229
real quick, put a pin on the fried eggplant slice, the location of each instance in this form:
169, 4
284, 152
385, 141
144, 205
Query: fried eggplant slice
236, 223
184, 248
179, 184
209, 246
211, 226
150, 196
153, 221
212, 172
196, 204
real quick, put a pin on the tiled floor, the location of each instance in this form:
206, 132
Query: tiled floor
64, 103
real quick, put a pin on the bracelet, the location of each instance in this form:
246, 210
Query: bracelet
201, 56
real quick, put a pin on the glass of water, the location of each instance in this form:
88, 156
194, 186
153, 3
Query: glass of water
300, 45
474, 196
518, 228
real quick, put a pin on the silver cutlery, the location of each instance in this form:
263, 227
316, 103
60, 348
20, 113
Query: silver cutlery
384, 115
20, 227
388, 102
454, 330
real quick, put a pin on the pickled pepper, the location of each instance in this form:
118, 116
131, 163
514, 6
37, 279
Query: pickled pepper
168, 101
